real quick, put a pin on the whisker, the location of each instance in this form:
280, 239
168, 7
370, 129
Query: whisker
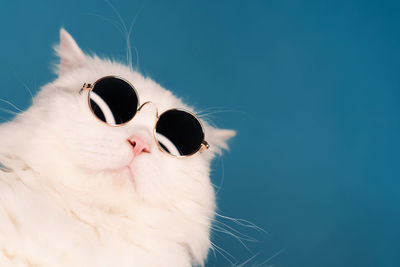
243, 236
213, 108
243, 223
125, 30
222, 175
213, 251
228, 256
217, 187
29, 91
113, 22
209, 121
129, 37
221, 230
137, 57
248, 260
9, 111
24, 85
118, 15
11, 104
220, 109
273, 256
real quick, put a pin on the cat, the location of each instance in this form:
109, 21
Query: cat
70, 193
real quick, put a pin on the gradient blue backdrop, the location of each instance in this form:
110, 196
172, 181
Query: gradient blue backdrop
312, 87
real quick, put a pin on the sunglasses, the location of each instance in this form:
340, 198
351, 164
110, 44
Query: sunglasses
115, 102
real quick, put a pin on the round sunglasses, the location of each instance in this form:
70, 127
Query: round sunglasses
115, 102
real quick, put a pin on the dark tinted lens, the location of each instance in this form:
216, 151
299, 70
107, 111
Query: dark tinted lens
113, 100
179, 133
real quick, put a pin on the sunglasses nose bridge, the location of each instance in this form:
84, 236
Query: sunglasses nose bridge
148, 103
145, 117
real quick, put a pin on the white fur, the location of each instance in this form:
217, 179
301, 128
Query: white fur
67, 197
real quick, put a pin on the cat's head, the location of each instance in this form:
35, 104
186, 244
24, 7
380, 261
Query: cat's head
60, 134
97, 147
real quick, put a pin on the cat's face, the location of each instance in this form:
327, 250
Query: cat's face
67, 125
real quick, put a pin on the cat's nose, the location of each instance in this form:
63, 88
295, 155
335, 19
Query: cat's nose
139, 145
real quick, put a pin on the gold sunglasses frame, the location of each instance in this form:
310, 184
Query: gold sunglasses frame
89, 87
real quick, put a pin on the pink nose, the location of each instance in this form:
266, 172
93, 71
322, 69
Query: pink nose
139, 145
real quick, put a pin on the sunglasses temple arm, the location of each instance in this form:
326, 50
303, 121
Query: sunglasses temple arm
204, 146
86, 86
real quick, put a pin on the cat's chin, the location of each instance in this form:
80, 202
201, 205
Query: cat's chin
122, 176
128, 172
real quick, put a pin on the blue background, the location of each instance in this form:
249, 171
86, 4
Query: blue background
312, 87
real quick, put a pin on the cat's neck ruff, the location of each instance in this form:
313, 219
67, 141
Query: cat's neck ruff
129, 236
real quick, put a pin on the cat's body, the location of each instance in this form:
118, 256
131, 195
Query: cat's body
72, 194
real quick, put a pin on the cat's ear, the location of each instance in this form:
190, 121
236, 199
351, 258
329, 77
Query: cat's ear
71, 56
218, 138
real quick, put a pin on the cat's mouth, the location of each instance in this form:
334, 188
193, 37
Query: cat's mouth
129, 173
139, 149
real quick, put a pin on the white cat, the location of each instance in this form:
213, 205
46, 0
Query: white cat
73, 194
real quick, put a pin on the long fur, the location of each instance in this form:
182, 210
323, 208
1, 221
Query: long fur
70, 193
